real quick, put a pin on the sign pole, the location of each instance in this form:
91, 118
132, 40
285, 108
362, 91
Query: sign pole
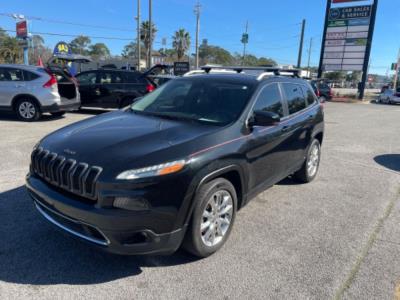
368, 50
328, 7
26, 55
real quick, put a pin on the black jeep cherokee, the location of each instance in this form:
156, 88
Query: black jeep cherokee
175, 167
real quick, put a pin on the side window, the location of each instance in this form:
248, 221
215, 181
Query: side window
3, 75
105, 78
8, 74
294, 97
131, 77
87, 78
310, 96
28, 76
270, 100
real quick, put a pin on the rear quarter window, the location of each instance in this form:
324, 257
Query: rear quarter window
29, 76
309, 95
294, 97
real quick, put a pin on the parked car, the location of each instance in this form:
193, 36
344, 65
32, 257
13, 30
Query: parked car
112, 88
176, 166
322, 90
161, 79
389, 96
30, 91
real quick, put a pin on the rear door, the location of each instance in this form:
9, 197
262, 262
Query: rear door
296, 124
268, 145
11, 83
136, 84
112, 90
90, 92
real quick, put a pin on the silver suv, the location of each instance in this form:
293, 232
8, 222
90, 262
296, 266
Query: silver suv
30, 91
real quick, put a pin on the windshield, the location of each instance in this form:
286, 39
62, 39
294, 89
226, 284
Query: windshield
206, 100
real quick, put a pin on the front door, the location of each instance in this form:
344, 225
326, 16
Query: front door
267, 145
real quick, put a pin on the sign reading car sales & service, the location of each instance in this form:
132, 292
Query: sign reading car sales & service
346, 38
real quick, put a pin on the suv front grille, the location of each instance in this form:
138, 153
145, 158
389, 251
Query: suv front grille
68, 174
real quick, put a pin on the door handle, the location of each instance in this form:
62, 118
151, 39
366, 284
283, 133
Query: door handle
285, 128
97, 91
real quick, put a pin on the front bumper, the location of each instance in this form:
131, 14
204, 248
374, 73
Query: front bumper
61, 107
110, 229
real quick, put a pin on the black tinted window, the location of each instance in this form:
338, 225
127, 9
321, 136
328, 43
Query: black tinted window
294, 96
8, 74
110, 77
270, 100
131, 77
87, 78
310, 96
28, 76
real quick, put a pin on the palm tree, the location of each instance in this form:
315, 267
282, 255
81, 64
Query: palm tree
144, 35
181, 42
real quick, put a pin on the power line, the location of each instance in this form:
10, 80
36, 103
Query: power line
76, 35
68, 23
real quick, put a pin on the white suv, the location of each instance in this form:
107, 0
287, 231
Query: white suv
30, 91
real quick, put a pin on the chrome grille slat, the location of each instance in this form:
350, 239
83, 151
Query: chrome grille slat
76, 177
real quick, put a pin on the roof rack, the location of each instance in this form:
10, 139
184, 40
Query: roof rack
239, 69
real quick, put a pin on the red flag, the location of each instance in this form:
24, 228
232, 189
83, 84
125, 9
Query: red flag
40, 62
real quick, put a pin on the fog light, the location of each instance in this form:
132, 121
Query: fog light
131, 203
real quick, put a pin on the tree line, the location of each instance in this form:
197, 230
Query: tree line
11, 52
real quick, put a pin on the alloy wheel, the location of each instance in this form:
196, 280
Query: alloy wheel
313, 160
216, 218
27, 110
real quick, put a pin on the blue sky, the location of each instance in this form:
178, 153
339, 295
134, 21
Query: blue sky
274, 26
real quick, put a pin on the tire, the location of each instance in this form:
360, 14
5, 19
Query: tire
208, 201
27, 110
58, 113
309, 170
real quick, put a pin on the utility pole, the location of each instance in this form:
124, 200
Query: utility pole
150, 50
309, 57
197, 13
396, 75
303, 27
138, 40
245, 40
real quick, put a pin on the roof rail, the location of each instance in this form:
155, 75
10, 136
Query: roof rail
239, 69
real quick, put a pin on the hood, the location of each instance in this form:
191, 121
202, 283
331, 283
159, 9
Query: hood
122, 136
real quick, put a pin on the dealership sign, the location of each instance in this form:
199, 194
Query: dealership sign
22, 29
62, 48
346, 38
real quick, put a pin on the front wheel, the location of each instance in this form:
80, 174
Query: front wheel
309, 170
213, 218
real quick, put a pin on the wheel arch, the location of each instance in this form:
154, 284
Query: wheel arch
319, 136
232, 173
16, 98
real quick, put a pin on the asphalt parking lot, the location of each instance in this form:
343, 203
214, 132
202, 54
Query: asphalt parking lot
338, 237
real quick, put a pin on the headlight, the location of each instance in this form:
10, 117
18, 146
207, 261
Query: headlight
161, 169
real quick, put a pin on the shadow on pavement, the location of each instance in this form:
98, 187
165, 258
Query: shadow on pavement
33, 252
390, 161
5, 116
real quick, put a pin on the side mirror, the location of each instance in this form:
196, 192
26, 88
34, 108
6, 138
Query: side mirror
264, 118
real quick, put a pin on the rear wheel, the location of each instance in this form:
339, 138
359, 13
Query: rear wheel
27, 110
309, 170
58, 113
213, 218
